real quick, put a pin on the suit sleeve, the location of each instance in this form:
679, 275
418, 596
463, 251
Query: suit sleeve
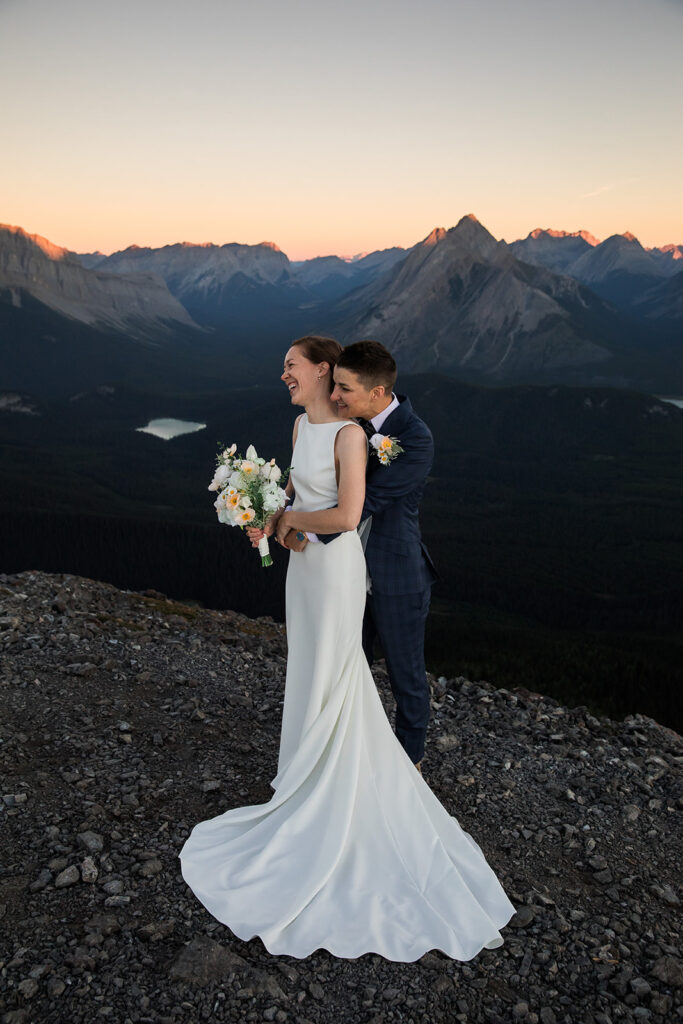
399, 478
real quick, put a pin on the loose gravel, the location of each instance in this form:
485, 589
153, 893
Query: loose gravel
127, 717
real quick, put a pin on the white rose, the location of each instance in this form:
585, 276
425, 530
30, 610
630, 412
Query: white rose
376, 440
251, 453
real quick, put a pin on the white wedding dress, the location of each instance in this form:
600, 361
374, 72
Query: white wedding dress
353, 853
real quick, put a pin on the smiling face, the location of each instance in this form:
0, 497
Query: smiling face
301, 376
353, 398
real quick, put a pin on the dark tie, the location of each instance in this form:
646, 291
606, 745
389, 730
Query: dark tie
367, 426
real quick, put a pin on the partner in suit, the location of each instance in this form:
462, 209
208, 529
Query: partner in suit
400, 569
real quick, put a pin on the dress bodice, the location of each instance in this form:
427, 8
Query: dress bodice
312, 471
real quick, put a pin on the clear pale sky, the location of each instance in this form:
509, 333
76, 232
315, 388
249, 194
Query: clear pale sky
339, 127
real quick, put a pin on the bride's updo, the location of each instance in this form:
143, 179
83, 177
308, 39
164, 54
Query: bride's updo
319, 349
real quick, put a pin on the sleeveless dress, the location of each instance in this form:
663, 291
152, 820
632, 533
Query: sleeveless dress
353, 853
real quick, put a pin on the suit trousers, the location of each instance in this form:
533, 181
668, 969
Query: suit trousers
398, 621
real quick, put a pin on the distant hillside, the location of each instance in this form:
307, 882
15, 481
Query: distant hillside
664, 302
217, 282
32, 267
51, 355
619, 269
556, 250
226, 284
329, 277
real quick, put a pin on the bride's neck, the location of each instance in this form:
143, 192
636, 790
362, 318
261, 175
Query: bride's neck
322, 410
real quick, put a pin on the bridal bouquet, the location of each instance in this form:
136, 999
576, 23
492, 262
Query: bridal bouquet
248, 492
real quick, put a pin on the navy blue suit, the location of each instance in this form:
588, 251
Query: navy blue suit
401, 571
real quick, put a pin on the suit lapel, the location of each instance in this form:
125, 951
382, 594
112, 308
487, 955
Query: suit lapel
393, 425
398, 419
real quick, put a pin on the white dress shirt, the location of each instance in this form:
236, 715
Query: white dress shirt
379, 419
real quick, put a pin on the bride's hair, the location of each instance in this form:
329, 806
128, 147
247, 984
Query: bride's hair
319, 349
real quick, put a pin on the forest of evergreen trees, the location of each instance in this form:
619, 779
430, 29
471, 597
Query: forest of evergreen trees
613, 670
554, 516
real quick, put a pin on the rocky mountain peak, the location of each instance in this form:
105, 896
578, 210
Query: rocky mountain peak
623, 242
434, 237
675, 251
16, 236
540, 233
470, 235
462, 299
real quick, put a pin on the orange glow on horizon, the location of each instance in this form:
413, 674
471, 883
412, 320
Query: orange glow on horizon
86, 241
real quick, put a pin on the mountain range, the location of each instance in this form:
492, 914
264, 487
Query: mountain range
554, 306
461, 301
223, 281
30, 265
619, 269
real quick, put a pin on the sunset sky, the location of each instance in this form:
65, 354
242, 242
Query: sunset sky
339, 127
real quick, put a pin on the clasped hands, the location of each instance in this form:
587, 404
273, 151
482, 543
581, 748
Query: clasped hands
277, 524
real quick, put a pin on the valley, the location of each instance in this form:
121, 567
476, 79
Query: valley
553, 515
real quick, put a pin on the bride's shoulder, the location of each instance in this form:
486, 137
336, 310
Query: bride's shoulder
351, 433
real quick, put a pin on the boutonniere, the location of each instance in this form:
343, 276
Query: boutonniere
387, 448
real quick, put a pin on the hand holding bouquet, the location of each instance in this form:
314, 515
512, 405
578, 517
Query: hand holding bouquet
249, 492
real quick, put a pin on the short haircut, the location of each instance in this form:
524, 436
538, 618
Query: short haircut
372, 363
319, 349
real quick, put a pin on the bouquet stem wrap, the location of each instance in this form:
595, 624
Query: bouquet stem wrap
264, 552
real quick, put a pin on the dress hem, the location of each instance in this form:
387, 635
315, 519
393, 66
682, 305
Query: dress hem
410, 958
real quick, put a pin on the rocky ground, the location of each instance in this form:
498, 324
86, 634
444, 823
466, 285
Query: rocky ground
127, 718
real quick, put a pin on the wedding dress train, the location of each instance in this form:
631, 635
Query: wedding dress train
353, 853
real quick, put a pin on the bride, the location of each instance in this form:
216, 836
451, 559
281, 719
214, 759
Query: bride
353, 853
